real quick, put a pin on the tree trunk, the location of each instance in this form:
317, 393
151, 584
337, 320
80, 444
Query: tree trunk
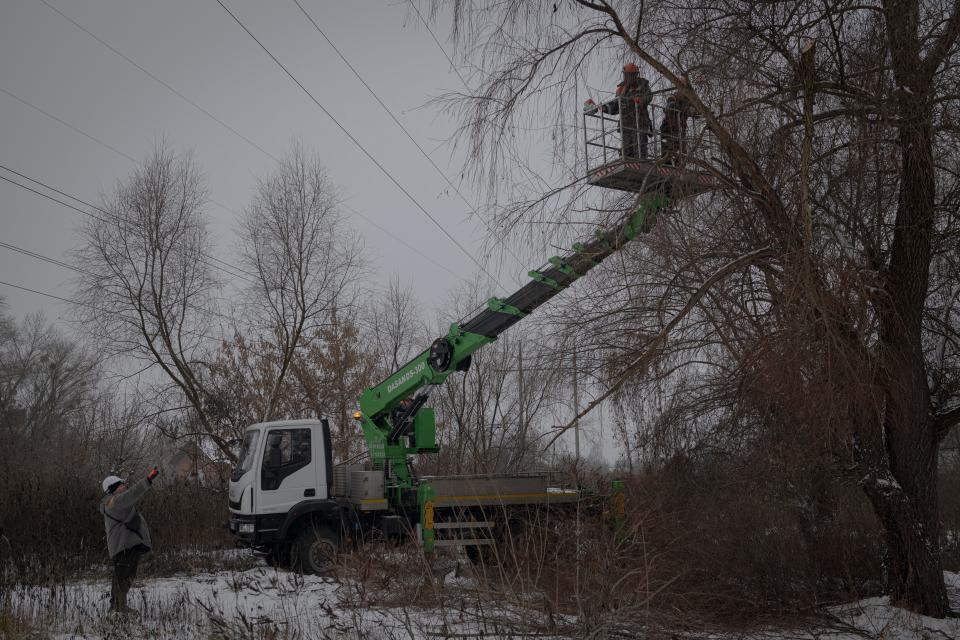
910, 524
902, 479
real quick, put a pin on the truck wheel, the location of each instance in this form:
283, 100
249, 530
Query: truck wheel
314, 550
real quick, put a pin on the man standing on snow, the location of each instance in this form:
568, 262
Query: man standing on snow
128, 537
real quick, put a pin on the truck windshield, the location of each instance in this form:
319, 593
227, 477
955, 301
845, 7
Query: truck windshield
247, 453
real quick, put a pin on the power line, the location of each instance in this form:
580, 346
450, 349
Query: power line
66, 265
105, 220
40, 256
66, 124
49, 197
196, 106
358, 144
410, 137
410, 246
160, 81
453, 65
90, 137
439, 46
48, 295
208, 257
90, 306
382, 229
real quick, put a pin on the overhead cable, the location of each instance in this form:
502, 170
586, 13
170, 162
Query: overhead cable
358, 144
40, 256
83, 133
91, 306
410, 137
188, 101
209, 259
66, 124
382, 229
160, 81
439, 46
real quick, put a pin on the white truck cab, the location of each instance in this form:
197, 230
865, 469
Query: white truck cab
289, 503
283, 470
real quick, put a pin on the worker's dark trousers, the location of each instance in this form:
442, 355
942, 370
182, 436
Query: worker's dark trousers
674, 149
635, 143
124, 571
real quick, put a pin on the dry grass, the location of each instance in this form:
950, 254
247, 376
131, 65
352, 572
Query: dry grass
703, 550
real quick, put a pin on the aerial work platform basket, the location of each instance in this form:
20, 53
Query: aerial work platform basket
625, 151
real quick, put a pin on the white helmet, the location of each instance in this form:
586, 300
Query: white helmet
109, 481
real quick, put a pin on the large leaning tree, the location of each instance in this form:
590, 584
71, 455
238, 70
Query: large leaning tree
820, 283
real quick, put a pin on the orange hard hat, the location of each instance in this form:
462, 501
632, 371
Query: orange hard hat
631, 68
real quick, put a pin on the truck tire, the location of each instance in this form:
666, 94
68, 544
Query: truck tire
314, 550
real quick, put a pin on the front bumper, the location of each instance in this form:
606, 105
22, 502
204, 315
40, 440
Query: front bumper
256, 530
244, 528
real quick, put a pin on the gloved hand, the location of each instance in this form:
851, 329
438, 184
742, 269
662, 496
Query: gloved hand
153, 474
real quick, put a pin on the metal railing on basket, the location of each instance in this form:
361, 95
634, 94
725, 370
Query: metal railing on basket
617, 130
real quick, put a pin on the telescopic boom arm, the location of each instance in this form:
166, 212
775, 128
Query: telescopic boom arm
392, 414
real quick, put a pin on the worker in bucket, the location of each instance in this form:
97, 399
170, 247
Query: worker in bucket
128, 537
673, 128
633, 98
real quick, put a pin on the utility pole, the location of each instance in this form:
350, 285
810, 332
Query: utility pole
576, 408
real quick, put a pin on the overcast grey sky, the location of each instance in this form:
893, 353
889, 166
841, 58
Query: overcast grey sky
197, 48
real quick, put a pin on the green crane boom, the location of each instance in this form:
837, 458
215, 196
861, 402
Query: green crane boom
395, 421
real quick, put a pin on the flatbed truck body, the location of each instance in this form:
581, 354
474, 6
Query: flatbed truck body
286, 498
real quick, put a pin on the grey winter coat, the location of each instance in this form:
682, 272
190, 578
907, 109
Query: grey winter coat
119, 508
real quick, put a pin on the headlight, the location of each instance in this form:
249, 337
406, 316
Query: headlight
245, 527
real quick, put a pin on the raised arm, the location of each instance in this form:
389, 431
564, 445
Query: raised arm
132, 495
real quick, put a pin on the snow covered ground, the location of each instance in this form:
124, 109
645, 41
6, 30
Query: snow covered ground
250, 604
266, 603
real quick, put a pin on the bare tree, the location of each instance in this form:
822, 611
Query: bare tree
48, 385
808, 278
146, 289
295, 239
395, 325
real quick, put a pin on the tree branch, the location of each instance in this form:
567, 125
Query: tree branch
653, 345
